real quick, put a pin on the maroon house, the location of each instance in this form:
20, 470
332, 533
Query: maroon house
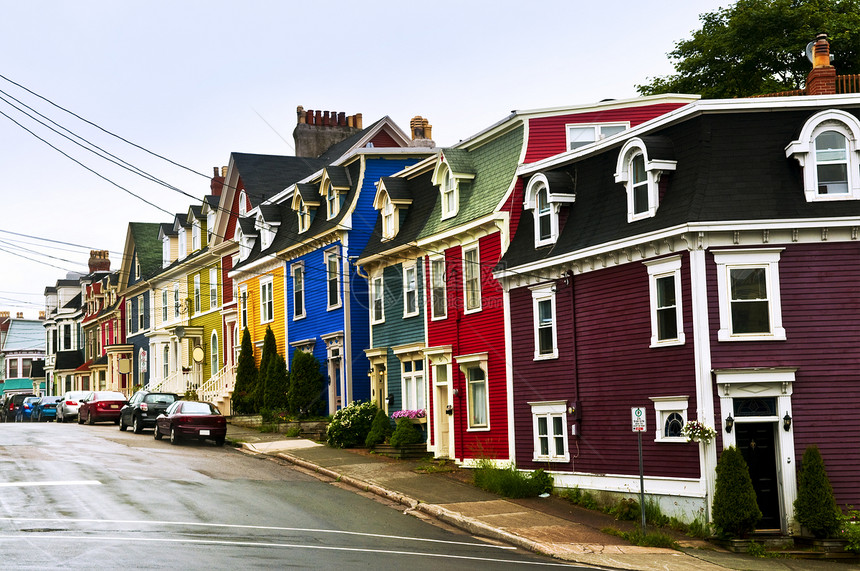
706, 269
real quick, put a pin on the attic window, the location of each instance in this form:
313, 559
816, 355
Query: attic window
243, 204
304, 215
640, 175
827, 150
545, 206
389, 219
210, 224
266, 233
580, 135
450, 196
332, 201
195, 235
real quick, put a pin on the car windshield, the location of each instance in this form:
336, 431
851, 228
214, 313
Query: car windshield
159, 399
198, 408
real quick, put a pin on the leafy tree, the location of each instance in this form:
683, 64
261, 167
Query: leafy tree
270, 349
735, 509
246, 378
277, 383
305, 397
758, 46
815, 507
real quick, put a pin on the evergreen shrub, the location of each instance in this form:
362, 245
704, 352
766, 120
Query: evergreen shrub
277, 383
270, 349
815, 507
405, 433
246, 378
735, 510
379, 430
306, 394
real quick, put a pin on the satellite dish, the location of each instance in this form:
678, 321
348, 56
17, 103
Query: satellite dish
197, 355
809, 54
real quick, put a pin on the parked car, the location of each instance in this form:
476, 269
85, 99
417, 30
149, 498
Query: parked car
101, 406
191, 419
45, 409
67, 408
143, 408
12, 404
25, 411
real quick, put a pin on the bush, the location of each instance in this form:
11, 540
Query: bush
246, 378
307, 388
405, 434
815, 507
627, 509
583, 499
349, 426
735, 510
270, 349
379, 430
543, 480
510, 482
850, 531
294, 431
277, 383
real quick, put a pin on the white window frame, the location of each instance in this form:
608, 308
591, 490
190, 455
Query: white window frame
410, 288
243, 306
195, 235
449, 192
165, 364
298, 289
213, 288
662, 269
803, 150
664, 407
438, 282
177, 310
304, 215
264, 230
136, 267
542, 294
550, 410
197, 301
332, 201
377, 299
389, 218
596, 129
214, 354
467, 363
165, 251
472, 272
165, 304
332, 259
210, 224
765, 258
653, 171
243, 203
536, 185
183, 243
128, 317
267, 299
140, 313
413, 384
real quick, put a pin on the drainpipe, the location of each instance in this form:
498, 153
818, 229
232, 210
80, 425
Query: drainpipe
346, 358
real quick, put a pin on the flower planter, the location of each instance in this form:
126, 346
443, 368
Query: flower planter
409, 451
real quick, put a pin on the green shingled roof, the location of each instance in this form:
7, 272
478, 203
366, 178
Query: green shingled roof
147, 246
494, 165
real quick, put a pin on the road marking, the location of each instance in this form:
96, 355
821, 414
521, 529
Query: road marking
40, 484
30, 537
260, 527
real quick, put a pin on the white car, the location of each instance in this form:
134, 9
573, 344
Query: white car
67, 409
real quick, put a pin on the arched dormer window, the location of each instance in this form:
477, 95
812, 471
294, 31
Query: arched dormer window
244, 243
640, 174
545, 193
393, 199
306, 200
304, 214
266, 232
243, 203
389, 218
448, 179
827, 150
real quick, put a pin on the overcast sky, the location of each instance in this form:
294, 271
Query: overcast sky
195, 80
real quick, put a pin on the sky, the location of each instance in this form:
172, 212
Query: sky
193, 81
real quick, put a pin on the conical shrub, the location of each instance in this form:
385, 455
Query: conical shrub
735, 509
815, 507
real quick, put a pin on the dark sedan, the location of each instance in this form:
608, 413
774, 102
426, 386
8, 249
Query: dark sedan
191, 420
143, 408
45, 410
12, 404
101, 406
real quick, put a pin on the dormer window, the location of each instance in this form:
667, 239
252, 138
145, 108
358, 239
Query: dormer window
244, 243
332, 202
450, 199
266, 232
210, 225
545, 204
195, 235
243, 203
828, 152
304, 214
136, 267
640, 175
580, 135
389, 221
165, 251
183, 243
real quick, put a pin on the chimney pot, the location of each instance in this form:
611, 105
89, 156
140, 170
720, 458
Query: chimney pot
318, 118
822, 78
42, 315
358, 122
300, 112
20, 315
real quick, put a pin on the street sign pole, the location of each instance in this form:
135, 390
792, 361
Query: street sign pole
639, 426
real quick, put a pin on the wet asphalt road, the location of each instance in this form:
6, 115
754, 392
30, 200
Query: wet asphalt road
92, 497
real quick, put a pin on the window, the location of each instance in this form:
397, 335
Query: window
827, 150
298, 271
183, 243
667, 322
332, 202
543, 307
243, 303
267, 303
165, 251
195, 235
176, 301
581, 135
332, 279
304, 215
265, 231
474, 369
545, 205
243, 203
377, 309
128, 317
13, 369
213, 354
472, 278
210, 224
165, 361
640, 175
543, 215
389, 219
671, 415
136, 267
438, 294
410, 290
213, 288
197, 303
140, 307
413, 384
549, 427
748, 284
164, 305
67, 336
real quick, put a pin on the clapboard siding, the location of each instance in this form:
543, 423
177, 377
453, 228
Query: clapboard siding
820, 301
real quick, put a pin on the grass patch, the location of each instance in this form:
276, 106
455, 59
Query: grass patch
294, 431
510, 482
648, 539
430, 466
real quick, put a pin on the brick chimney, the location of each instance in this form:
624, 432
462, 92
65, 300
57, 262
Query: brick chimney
20, 315
822, 79
216, 185
99, 261
4, 315
316, 131
422, 132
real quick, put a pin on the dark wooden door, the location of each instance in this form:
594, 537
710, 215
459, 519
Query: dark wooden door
755, 441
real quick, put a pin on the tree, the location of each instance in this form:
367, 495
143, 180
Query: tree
735, 508
305, 397
270, 349
758, 46
246, 378
815, 507
277, 383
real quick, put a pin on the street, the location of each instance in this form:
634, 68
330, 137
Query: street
95, 497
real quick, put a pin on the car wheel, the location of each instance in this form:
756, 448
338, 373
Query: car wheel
219, 441
136, 426
157, 435
90, 420
122, 424
80, 418
174, 438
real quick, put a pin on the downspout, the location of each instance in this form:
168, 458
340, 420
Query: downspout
573, 350
346, 358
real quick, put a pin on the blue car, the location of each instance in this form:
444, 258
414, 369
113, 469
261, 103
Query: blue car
25, 413
45, 410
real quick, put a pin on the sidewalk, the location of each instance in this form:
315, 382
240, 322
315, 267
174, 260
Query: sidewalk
548, 526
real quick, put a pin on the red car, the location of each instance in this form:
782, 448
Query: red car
101, 406
191, 419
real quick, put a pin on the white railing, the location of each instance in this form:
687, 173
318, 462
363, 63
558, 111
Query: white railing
218, 386
178, 383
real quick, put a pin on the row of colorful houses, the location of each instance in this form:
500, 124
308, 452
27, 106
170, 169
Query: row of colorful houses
529, 286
